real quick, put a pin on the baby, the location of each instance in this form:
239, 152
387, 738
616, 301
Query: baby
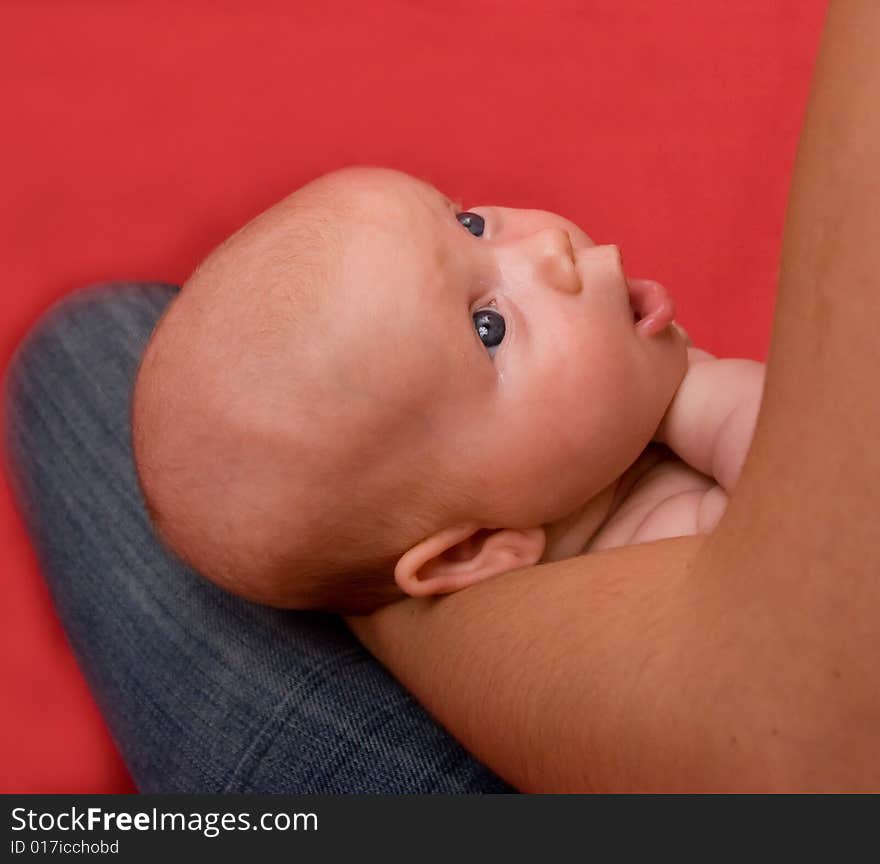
367, 393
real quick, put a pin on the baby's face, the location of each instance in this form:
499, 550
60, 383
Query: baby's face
500, 340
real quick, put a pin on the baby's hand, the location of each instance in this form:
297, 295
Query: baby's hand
711, 419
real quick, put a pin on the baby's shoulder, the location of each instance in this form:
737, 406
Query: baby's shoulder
659, 496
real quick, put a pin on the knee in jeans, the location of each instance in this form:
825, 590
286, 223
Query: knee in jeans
89, 333
98, 316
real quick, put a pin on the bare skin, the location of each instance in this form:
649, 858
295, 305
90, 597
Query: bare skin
741, 660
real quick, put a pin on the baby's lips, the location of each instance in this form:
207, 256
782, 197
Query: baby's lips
652, 303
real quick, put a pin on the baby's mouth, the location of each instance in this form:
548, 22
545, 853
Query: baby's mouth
652, 306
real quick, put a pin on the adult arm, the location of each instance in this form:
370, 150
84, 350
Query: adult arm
745, 659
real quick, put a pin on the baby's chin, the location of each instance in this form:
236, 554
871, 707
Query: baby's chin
669, 356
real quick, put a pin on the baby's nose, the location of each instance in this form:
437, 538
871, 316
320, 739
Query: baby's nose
553, 254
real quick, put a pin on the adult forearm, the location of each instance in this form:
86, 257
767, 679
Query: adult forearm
599, 673
550, 675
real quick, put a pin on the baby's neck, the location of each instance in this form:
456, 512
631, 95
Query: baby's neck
571, 534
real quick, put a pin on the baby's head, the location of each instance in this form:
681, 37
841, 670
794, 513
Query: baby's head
367, 392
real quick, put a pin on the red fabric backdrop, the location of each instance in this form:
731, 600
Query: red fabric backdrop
137, 135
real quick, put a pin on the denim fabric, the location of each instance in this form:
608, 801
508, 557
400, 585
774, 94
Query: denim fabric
201, 691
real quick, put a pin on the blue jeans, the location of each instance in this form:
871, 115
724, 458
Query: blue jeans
202, 691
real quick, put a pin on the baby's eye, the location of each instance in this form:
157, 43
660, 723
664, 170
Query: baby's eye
490, 327
473, 222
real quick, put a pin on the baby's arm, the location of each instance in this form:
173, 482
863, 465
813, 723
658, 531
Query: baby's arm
712, 417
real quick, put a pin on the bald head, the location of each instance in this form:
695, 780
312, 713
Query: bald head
254, 438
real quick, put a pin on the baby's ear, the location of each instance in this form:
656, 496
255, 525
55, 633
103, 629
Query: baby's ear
456, 557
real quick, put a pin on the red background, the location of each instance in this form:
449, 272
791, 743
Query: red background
137, 135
